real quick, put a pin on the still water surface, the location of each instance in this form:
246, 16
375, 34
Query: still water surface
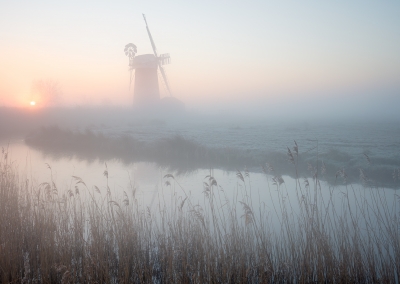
149, 182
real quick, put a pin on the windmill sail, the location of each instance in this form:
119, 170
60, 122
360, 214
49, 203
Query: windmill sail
163, 59
151, 38
165, 78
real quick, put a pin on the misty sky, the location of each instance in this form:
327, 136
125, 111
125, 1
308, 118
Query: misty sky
244, 54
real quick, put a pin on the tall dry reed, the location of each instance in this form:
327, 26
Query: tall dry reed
85, 234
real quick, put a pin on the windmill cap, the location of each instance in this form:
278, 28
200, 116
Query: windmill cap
145, 61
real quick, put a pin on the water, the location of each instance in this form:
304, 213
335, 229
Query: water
233, 144
337, 145
338, 209
149, 184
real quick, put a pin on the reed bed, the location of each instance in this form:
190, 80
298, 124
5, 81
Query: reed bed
85, 234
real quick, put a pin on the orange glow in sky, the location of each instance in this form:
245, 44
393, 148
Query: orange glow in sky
233, 52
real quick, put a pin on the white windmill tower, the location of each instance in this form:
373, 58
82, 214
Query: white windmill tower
146, 90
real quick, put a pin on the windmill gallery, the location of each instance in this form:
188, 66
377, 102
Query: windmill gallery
146, 83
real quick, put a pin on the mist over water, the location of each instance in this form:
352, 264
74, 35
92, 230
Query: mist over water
189, 141
327, 182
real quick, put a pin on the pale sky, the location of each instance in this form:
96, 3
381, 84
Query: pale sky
222, 52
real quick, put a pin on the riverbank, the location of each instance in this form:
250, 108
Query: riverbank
180, 154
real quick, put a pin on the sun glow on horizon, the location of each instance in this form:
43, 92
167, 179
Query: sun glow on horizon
32, 103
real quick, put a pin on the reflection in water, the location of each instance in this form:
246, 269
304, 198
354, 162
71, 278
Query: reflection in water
265, 215
239, 220
149, 182
175, 153
181, 155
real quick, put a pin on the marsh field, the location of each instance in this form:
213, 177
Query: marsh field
101, 195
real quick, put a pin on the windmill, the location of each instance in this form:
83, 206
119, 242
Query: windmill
146, 90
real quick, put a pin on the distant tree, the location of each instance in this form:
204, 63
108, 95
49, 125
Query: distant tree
46, 92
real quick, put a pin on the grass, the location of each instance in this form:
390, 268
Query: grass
305, 233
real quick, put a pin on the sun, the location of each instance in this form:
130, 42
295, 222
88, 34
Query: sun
33, 103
